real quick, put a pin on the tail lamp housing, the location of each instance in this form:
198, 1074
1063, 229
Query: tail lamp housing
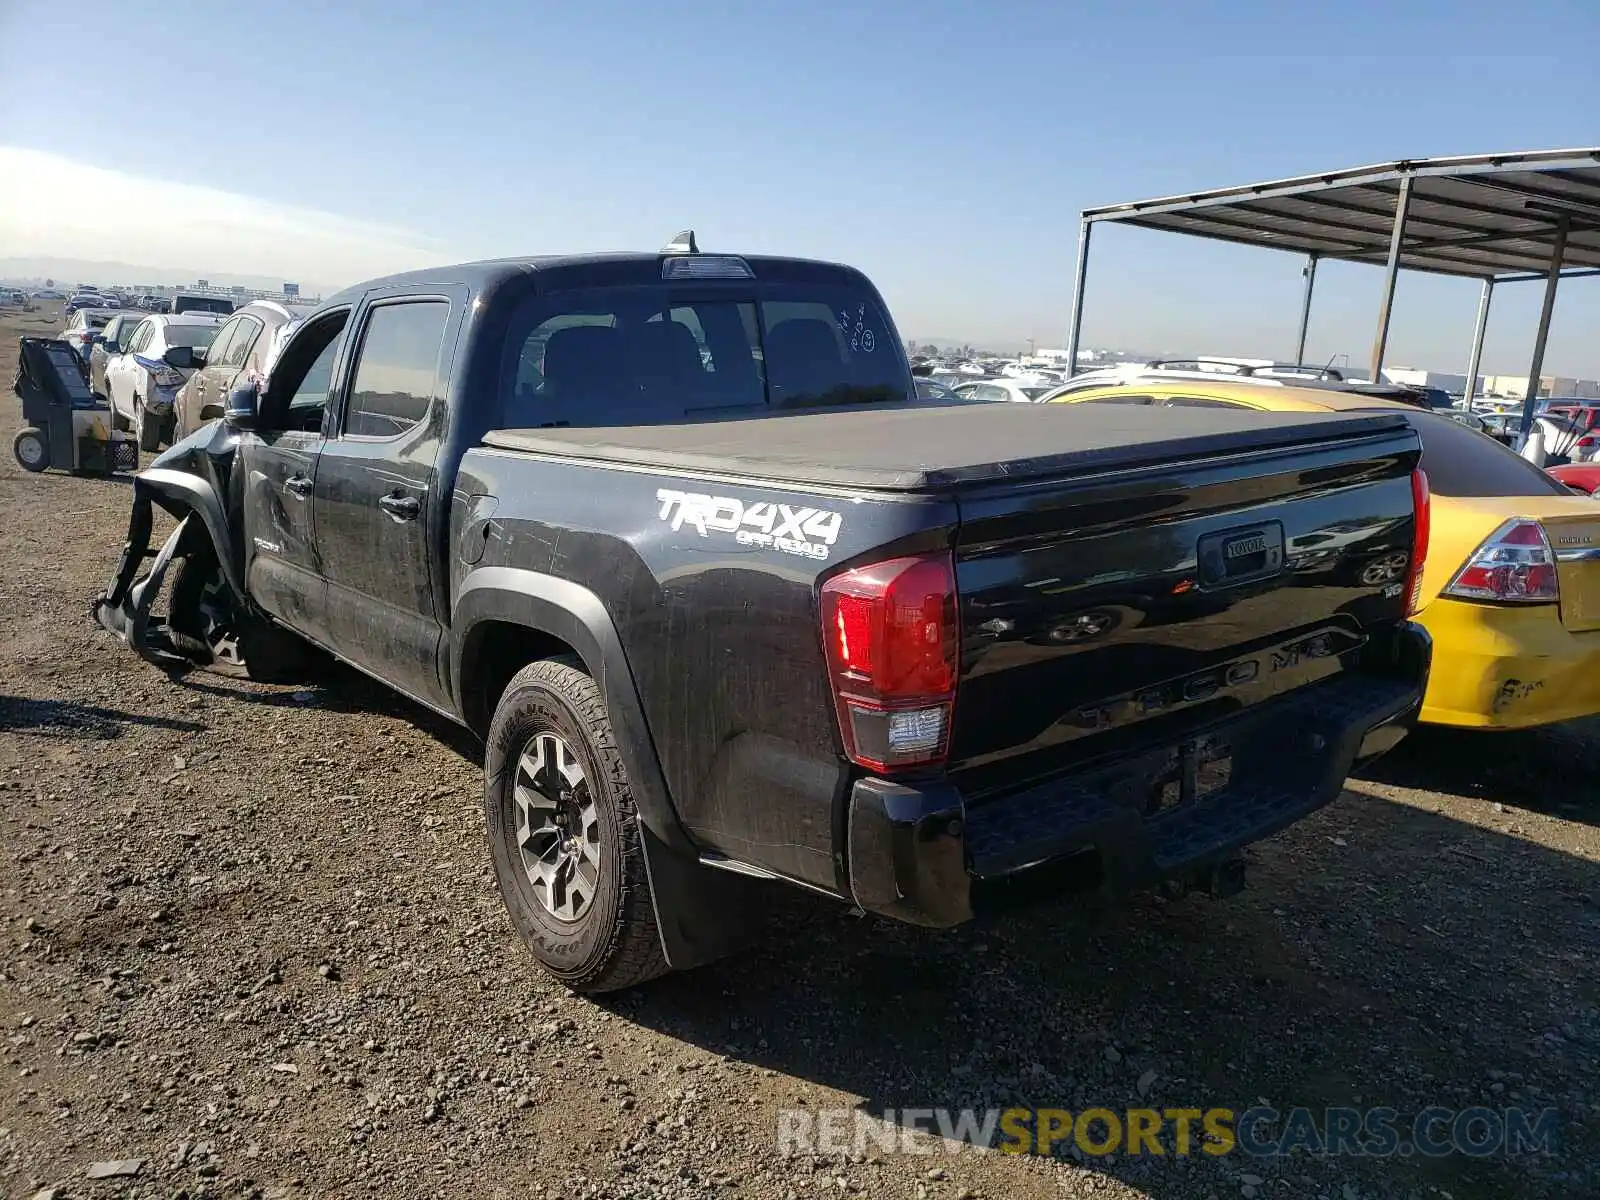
1421, 530
891, 635
1515, 565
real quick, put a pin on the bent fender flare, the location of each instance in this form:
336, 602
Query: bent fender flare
573, 613
196, 494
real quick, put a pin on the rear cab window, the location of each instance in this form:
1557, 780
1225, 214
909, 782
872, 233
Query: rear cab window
658, 354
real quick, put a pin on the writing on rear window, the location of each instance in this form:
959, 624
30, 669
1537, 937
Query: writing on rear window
766, 525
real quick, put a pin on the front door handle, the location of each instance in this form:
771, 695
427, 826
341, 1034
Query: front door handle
298, 486
399, 506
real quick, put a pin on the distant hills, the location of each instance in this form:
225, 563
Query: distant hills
69, 271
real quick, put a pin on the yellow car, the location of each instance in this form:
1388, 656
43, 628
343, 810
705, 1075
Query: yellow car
1511, 586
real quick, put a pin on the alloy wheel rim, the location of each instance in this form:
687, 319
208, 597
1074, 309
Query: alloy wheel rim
557, 827
30, 450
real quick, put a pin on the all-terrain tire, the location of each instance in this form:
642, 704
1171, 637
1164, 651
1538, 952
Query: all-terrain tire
615, 943
256, 649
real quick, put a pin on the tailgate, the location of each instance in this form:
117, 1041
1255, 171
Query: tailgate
1576, 542
1105, 614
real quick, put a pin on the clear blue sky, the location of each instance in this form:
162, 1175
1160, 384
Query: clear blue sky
946, 148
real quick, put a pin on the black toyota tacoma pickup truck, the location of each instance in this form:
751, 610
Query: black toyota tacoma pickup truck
727, 603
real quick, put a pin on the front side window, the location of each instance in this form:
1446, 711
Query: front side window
141, 337
397, 369
656, 355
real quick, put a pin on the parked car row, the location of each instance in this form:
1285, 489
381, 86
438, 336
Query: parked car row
166, 374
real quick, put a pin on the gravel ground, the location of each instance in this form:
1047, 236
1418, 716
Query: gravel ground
252, 944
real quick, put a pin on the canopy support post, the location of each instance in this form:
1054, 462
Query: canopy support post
1076, 328
1536, 368
1478, 330
1402, 206
1310, 272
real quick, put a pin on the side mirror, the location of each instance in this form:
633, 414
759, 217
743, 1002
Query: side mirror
200, 355
180, 358
244, 404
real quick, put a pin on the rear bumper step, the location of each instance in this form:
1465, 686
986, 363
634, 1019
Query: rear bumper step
916, 849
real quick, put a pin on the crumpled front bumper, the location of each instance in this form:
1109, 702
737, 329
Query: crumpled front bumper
125, 607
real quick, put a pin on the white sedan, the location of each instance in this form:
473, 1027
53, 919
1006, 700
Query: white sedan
1013, 391
141, 384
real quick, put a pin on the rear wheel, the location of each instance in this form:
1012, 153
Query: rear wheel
32, 451
564, 832
208, 628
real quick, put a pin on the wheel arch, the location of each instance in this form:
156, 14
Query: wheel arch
702, 914
181, 494
507, 617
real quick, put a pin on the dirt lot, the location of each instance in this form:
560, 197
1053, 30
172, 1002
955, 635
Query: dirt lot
251, 938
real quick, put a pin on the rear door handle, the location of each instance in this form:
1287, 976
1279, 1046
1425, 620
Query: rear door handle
298, 485
400, 507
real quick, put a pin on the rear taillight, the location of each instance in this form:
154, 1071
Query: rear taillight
1516, 564
891, 637
1421, 527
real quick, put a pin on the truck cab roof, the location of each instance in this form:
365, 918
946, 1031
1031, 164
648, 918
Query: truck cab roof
611, 269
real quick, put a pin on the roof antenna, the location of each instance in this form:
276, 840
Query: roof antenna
682, 243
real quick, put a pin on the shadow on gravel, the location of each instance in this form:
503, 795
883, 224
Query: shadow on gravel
1386, 955
64, 719
1554, 770
335, 687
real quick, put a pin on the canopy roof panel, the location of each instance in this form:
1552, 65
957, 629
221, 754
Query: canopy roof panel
1482, 216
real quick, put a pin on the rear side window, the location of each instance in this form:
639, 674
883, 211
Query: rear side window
397, 369
657, 355
1463, 462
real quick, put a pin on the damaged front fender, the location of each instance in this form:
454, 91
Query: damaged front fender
177, 483
125, 607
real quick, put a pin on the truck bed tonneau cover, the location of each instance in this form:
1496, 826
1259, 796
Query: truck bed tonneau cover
922, 448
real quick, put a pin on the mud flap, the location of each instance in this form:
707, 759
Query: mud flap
125, 608
703, 913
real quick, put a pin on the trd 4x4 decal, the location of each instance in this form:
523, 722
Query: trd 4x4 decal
793, 529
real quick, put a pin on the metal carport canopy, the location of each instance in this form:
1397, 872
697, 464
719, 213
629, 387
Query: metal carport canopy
1493, 217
